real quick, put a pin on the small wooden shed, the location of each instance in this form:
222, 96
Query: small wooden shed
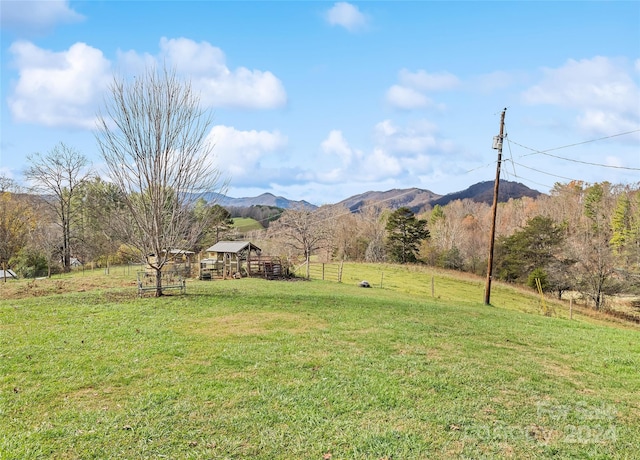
178, 261
228, 259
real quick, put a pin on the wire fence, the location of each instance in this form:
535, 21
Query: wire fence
383, 276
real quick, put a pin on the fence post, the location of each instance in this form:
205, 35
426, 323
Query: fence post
381, 278
340, 271
433, 287
571, 308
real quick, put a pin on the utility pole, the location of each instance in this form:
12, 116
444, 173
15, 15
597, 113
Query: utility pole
497, 144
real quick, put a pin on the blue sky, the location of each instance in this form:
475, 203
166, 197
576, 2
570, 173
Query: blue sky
323, 100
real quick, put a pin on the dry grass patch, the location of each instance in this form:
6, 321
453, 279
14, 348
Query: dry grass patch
556, 370
65, 284
91, 398
258, 323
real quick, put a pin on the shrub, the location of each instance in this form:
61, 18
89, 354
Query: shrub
540, 274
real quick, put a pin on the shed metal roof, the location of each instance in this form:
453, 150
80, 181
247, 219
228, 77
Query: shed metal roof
232, 246
180, 251
7, 274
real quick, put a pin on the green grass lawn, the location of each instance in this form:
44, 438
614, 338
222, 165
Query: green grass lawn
246, 224
310, 369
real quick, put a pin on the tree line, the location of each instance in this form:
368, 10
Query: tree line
152, 138
580, 237
262, 213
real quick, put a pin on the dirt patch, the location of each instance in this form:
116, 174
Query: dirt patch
28, 288
259, 323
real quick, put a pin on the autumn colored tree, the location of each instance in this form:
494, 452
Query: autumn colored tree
17, 221
625, 231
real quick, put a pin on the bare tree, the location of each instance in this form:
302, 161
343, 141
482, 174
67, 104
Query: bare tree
374, 221
152, 137
46, 241
348, 243
60, 175
304, 231
596, 275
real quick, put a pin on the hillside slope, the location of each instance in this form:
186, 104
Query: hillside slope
414, 198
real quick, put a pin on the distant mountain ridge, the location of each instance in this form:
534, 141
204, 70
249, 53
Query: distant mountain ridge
414, 198
482, 192
266, 199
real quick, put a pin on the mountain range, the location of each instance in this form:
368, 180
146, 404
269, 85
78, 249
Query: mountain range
266, 199
414, 198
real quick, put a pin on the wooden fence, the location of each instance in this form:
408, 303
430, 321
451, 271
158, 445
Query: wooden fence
321, 271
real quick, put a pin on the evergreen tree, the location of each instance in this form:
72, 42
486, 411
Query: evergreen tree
219, 223
536, 246
405, 232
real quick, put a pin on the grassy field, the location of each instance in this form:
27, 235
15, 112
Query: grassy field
310, 370
246, 224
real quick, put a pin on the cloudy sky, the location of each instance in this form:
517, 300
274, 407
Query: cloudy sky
323, 100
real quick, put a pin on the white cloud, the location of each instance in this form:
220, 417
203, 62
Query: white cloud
600, 121
417, 138
193, 58
57, 89
242, 89
219, 86
66, 88
398, 152
336, 144
6, 172
380, 165
613, 161
132, 63
406, 98
346, 15
409, 94
239, 153
36, 14
600, 89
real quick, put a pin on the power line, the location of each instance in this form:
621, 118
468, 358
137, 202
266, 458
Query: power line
513, 164
546, 152
506, 136
544, 172
591, 140
509, 141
